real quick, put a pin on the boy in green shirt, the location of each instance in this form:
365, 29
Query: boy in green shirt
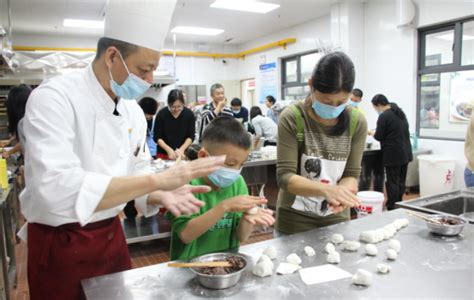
223, 222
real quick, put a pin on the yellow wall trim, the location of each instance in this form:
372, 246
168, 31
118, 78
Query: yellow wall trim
280, 43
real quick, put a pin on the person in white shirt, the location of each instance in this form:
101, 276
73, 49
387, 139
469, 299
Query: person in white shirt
86, 156
264, 127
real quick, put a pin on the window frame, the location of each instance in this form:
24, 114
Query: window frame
297, 83
455, 66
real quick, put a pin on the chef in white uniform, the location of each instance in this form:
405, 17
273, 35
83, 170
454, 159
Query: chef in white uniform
86, 156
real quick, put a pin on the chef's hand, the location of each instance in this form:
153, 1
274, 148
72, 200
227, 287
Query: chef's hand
241, 203
181, 174
339, 195
180, 201
263, 217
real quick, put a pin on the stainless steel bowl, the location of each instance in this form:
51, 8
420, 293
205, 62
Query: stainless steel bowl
446, 229
218, 281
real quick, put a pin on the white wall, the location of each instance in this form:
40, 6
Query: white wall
391, 62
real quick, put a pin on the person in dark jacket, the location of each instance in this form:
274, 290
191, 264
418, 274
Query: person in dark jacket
393, 134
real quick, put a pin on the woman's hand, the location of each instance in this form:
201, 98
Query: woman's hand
263, 217
171, 155
340, 196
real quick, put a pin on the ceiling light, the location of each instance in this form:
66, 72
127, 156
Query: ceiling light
450, 37
76, 23
245, 5
196, 30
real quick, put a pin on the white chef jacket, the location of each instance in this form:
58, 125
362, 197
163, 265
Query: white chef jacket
75, 145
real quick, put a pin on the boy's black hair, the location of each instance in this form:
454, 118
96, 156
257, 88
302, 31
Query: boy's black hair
149, 105
357, 93
226, 130
236, 102
271, 99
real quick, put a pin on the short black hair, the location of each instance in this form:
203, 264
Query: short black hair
380, 99
125, 48
192, 151
236, 102
357, 93
255, 111
16, 104
149, 105
174, 95
271, 99
226, 130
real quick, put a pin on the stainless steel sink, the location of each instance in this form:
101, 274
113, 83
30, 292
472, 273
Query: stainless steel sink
454, 203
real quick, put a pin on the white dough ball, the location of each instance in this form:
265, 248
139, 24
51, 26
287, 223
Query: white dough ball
386, 233
329, 248
371, 249
383, 268
379, 234
270, 252
405, 222
391, 227
337, 238
293, 258
264, 267
368, 236
252, 211
264, 258
351, 245
391, 254
362, 277
397, 225
395, 245
333, 258
309, 251
286, 268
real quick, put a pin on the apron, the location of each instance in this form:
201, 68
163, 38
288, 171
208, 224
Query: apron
321, 170
149, 139
60, 257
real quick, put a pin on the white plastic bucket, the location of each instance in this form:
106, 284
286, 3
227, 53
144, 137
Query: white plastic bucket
371, 202
436, 174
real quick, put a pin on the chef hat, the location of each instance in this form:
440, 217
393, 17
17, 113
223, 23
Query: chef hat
143, 23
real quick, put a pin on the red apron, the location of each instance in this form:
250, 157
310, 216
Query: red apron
60, 257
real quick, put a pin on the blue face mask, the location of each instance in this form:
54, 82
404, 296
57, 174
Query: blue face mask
224, 177
353, 103
236, 111
132, 88
327, 111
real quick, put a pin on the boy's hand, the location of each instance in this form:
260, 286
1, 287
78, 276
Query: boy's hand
263, 217
241, 203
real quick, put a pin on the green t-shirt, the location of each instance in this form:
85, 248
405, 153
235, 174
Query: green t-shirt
220, 237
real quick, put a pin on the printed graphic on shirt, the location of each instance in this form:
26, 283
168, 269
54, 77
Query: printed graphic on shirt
333, 148
225, 222
322, 170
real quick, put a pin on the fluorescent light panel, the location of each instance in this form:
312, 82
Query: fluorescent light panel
245, 5
196, 30
77, 23
450, 36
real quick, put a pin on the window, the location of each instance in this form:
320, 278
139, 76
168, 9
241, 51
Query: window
445, 95
295, 74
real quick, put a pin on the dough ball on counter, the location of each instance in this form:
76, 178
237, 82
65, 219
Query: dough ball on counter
401, 223
329, 248
387, 233
286, 268
397, 224
369, 236
253, 211
264, 267
362, 277
351, 245
391, 254
395, 245
337, 238
309, 251
371, 250
264, 258
270, 252
333, 258
383, 268
391, 228
379, 235
293, 258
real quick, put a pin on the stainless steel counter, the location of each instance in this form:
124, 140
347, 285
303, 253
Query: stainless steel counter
428, 267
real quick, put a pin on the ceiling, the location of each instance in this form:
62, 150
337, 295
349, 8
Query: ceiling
46, 17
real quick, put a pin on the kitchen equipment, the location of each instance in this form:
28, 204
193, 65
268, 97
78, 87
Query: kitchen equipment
469, 216
201, 264
218, 281
423, 217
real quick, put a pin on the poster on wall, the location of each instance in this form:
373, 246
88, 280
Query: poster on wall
268, 81
462, 97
